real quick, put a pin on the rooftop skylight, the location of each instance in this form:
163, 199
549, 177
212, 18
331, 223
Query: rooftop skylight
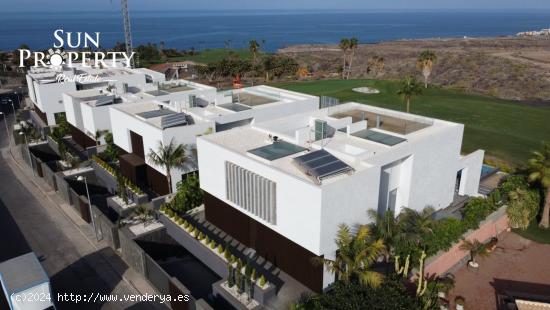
276, 150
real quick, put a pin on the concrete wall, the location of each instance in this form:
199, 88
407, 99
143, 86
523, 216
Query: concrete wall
451, 260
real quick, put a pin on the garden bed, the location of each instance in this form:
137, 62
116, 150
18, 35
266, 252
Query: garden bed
204, 252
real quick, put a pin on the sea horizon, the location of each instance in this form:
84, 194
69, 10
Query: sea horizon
204, 29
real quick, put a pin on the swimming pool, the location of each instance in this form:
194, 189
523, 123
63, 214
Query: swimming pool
487, 171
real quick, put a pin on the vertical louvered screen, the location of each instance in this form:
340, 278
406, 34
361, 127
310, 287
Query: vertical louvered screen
251, 192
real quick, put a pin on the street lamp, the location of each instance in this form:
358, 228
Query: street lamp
21, 133
12, 107
83, 178
7, 129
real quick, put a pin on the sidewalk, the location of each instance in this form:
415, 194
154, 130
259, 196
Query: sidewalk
104, 260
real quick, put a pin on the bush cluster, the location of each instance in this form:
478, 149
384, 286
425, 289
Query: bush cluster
448, 231
188, 196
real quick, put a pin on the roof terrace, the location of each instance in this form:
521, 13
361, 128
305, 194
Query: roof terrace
383, 120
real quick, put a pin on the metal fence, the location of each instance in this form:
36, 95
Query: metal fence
105, 229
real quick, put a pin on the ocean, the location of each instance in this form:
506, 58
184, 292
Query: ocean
277, 29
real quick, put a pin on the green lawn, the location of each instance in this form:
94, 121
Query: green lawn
533, 232
213, 55
505, 129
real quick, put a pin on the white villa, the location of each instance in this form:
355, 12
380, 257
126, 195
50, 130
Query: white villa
46, 85
283, 186
138, 127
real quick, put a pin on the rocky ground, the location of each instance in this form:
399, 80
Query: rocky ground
510, 68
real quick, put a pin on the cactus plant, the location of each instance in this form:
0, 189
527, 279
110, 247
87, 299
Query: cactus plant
230, 275
403, 270
422, 283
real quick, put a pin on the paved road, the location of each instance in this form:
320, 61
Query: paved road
30, 220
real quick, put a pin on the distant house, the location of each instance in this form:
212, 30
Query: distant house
178, 70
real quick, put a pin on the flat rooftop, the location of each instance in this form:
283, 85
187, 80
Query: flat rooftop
296, 135
156, 114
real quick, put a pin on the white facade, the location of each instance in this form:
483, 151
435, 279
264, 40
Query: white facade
419, 171
46, 85
209, 115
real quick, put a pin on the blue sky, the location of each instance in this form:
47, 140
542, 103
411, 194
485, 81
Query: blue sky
87, 5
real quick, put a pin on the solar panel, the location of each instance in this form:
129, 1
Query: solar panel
173, 120
321, 165
379, 137
155, 113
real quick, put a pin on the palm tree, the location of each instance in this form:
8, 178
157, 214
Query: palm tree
170, 156
253, 47
353, 44
386, 228
415, 225
539, 168
476, 249
344, 46
376, 64
409, 88
425, 63
356, 253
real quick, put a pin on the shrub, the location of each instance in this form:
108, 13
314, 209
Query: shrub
212, 244
392, 294
186, 224
476, 211
189, 194
512, 183
170, 213
196, 233
445, 233
180, 221
495, 197
523, 207
253, 276
207, 240
220, 249
262, 281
